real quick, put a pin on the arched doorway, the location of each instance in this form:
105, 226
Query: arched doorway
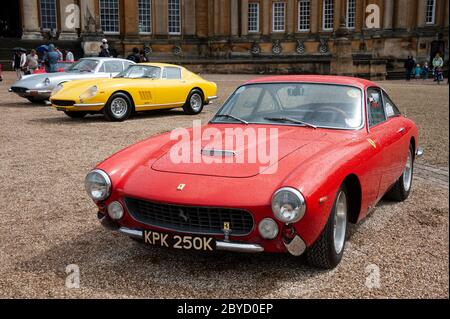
11, 19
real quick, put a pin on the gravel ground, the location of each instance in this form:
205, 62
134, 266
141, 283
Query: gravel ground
47, 222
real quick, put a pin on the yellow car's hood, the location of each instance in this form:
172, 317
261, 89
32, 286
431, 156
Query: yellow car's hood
76, 88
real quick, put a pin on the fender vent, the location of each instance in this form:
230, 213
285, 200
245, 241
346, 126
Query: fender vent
146, 95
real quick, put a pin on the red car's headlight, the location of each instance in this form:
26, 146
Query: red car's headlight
288, 205
98, 185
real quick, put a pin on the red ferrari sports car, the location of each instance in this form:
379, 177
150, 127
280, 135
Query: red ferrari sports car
285, 164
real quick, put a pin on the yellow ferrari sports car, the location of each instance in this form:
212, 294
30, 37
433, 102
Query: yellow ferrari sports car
141, 87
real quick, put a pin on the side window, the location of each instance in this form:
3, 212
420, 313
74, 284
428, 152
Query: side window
375, 108
126, 65
102, 68
113, 66
389, 106
172, 73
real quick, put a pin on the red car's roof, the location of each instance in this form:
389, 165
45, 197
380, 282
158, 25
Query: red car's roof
328, 79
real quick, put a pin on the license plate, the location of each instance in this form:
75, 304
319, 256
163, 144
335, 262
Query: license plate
179, 241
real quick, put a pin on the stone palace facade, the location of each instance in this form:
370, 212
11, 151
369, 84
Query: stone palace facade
354, 37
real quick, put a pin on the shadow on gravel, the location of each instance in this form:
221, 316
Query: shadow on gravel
115, 263
21, 105
99, 118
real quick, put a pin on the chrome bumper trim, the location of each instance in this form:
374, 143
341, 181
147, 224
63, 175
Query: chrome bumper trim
38, 91
419, 152
92, 104
296, 247
212, 98
239, 248
220, 245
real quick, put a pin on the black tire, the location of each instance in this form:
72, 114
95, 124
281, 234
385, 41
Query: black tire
75, 115
194, 103
113, 109
322, 254
36, 101
399, 192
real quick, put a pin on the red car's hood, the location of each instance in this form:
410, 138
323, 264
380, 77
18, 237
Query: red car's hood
246, 160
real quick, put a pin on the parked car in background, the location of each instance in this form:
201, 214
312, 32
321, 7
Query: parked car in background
61, 66
37, 88
141, 87
341, 145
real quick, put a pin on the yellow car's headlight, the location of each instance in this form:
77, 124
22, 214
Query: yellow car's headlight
57, 88
89, 93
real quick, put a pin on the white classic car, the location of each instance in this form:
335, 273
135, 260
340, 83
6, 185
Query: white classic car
38, 88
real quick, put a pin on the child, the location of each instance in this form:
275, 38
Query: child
418, 71
425, 71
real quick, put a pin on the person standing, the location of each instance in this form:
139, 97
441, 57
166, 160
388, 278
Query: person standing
104, 53
438, 63
51, 59
409, 67
425, 71
32, 62
19, 61
134, 56
69, 56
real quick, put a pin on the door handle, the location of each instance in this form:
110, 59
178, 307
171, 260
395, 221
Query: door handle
401, 130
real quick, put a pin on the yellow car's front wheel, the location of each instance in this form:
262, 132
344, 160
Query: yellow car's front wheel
118, 108
194, 104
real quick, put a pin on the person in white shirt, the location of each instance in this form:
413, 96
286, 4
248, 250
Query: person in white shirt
69, 56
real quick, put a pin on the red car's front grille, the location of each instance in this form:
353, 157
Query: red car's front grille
190, 219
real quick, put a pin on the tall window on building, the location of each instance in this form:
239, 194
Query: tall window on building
253, 17
328, 15
304, 10
279, 16
431, 12
145, 16
174, 17
351, 14
109, 16
48, 14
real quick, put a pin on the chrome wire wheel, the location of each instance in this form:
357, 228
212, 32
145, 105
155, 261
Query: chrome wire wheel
119, 107
340, 222
407, 173
196, 102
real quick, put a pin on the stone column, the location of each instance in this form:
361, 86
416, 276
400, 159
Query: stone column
69, 18
30, 20
338, 5
189, 20
290, 16
402, 14
266, 14
342, 60
88, 16
244, 19
315, 17
131, 16
388, 15
421, 10
217, 15
160, 16
234, 18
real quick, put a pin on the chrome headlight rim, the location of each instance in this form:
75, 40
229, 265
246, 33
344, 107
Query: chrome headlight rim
302, 206
108, 183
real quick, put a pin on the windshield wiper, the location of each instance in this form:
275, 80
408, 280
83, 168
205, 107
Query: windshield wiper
288, 119
232, 117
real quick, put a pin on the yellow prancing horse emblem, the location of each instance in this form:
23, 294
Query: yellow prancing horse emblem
372, 142
226, 226
181, 187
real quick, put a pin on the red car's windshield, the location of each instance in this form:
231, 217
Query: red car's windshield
316, 105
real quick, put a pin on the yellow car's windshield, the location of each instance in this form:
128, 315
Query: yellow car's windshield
141, 72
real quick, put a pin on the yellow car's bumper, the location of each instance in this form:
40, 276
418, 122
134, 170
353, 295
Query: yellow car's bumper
72, 106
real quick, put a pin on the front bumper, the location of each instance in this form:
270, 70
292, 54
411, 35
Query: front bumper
220, 245
41, 94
